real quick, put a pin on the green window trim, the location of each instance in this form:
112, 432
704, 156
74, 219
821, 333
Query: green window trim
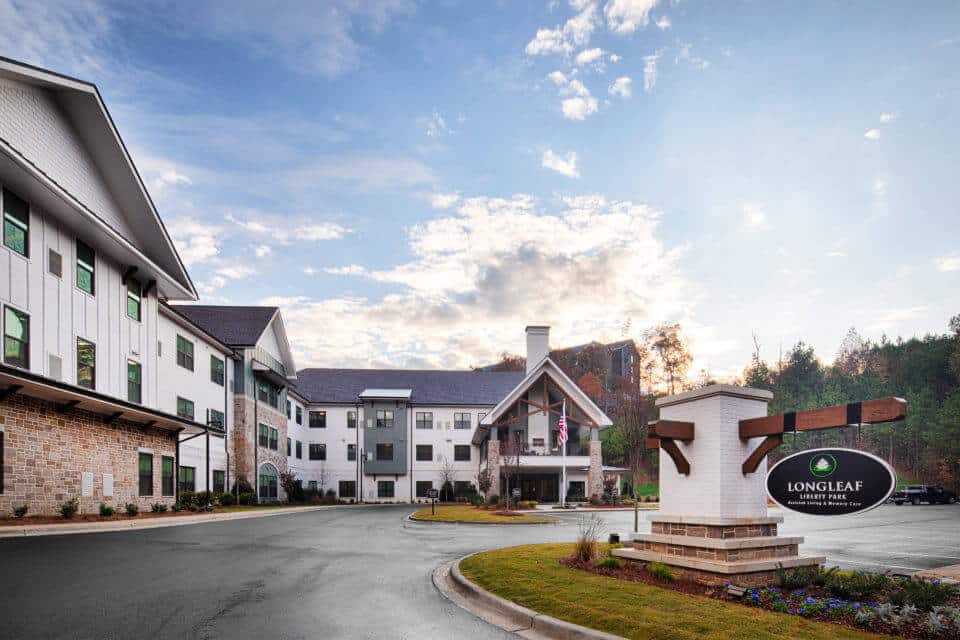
16, 338
16, 223
145, 465
216, 418
166, 476
86, 268
216, 370
86, 364
185, 408
134, 382
133, 299
188, 479
184, 352
219, 480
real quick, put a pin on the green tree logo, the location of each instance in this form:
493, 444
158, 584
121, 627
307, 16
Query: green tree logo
823, 465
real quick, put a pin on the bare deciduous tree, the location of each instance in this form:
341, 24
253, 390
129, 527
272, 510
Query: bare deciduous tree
448, 474
511, 451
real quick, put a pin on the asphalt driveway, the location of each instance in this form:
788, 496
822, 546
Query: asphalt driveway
343, 573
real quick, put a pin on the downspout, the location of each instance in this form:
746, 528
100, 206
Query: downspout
360, 454
226, 445
256, 441
410, 423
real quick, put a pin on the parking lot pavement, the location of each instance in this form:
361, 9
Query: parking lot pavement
342, 573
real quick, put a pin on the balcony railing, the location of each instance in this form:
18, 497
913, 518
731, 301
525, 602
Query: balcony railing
264, 358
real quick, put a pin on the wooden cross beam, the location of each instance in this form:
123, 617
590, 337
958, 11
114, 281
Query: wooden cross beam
662, 436
841, 415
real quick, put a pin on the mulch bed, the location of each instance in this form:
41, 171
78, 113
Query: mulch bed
96, 517
637, 572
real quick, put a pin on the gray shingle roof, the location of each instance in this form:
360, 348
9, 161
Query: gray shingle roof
341, 386
233, 326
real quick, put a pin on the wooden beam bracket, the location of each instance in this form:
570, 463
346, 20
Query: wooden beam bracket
67, 406
9, 391
674, 429
112, 417
668, 445
769, 444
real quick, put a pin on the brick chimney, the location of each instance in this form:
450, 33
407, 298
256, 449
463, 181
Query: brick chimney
538, 344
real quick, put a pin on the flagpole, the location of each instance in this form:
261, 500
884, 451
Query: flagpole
563, 485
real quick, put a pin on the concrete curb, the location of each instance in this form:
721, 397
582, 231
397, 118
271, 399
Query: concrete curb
505, 614
486, 524
172, 521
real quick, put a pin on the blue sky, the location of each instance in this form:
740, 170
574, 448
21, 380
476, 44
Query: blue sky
413, 182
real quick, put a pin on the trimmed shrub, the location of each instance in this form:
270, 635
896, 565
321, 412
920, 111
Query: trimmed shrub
660, 571
132, 509
446, 492
248, 498
228, 499
494, 499
69, 508
187, 498
176, 507
105, 510
476, 500
527, 504
158, 507
609, 563
203, 499
20, 511
922, 594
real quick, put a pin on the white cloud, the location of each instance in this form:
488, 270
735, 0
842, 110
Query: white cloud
281, 301
887, 117
880, 187
563, 164
948, 263
650, 71
663, 23
436, 125
589, 56
581, 105
262, 250
626, 16
348, 270
444, 200
463, 297
891, 319
310, 271
578, 108
196, 241
686, 55
576, 32
170, 177
754, 216
872, 134
615, 58
235, 270
285, 230
360, 172
621, 87
548, 41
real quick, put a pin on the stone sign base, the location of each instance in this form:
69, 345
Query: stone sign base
715, 551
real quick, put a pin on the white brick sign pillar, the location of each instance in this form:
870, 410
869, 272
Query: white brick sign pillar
716, 486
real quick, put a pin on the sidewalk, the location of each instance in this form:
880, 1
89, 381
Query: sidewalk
951, 573
154, 523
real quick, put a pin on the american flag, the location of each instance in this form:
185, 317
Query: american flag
562, 425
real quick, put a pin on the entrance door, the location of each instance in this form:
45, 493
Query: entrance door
542, 487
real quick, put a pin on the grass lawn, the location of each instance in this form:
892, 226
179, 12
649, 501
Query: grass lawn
469, 513
531, 576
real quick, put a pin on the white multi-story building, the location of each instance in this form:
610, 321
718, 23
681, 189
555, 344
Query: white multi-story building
111, 393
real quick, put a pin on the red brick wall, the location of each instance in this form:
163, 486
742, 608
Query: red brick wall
45, 453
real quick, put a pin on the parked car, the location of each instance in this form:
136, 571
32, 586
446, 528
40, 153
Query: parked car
929, 493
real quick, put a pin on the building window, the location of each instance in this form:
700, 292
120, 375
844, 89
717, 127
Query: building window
538, 442
461, 488
86, 364
288, 409
424, 453
351, 453
318, 419
216, 419
385, 451
16, 223
312, 485
423, 486
274, 439
188, 479
184, 353
347, 489
385, 488
461, 452
133, 299
384, 419
268, 483
16, 338
299, 449
166, 476
268, 393
185, 408
461, 420
216, 370
263, 435
219, 481
289, 447
86, 261
317, 451
146, 474
300, 415
134, 393
424, 420
351, 419
577, 489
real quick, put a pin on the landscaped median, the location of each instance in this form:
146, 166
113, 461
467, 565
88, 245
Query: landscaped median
533, 577
477, 515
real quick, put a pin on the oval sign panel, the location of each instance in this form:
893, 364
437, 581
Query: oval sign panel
831, 482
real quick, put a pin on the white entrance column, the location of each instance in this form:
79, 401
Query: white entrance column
713, 525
